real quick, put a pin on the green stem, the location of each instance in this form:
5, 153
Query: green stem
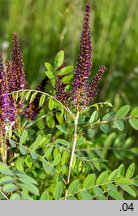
72, 151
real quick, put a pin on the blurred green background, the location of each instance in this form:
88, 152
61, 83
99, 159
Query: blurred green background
46, 26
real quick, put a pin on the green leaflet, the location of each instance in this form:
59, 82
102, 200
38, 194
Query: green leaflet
89, 181
57, 191
123, 111
73, 187
59, 59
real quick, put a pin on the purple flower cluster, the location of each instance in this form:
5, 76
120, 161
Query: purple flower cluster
17, 65
4, 100
83, 91
61, 94
11, 79
80, 85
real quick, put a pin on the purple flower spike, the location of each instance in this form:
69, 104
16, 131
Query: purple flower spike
4, 101
93, 85
61, 94
80, 85
17, 64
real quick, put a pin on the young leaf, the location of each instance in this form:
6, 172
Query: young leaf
59, 59
27, 95
123, 111
89, 181
51, 104
65, 70
42, 100
134, 123
115, 195
67, 79
50, 75
73, 187
57, 191
4, 169
130, 171
33, 97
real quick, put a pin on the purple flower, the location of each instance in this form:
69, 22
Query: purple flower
80, 85
4, 101
61, 94
17, 64
93, 85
